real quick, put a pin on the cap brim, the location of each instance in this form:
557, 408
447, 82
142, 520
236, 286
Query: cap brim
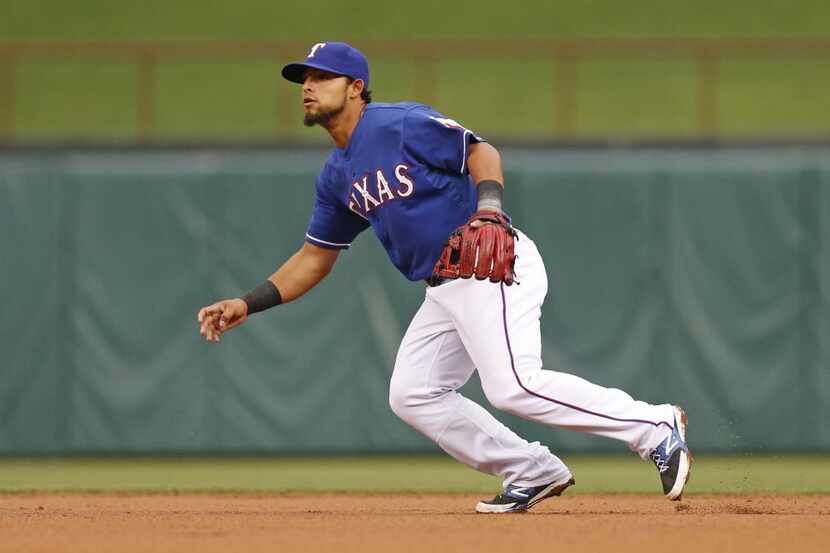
295, 72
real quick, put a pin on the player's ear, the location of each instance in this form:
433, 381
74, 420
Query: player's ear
356, 88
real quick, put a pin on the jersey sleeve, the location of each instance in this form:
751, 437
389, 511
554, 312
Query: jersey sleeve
438, 141
332, 224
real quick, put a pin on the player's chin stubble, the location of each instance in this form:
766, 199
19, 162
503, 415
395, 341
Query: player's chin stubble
323, 117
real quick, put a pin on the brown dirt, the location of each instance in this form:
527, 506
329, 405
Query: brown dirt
423, 523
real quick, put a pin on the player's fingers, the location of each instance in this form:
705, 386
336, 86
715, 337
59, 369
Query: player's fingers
214, 324
218, 318
215, 309
209, 324
204, 312
230, 317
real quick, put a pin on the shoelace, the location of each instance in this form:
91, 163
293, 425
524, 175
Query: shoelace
658, 460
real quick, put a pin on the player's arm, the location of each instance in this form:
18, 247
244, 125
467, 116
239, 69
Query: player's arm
303, 271
299, 274
484, 164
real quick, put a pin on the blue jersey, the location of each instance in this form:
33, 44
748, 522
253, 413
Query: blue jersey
404, 173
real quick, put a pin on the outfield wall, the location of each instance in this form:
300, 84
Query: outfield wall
697, 277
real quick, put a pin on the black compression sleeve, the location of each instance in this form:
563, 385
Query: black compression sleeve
264, 296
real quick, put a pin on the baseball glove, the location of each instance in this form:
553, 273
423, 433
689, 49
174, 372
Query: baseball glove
483, 246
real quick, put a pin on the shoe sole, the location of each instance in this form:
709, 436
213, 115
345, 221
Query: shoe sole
553, 490
685, 468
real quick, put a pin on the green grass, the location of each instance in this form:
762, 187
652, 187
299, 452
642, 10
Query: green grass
322, 20
231, 101
646, 98
594, 474
611, 96
65, 99
498, 98
787, 94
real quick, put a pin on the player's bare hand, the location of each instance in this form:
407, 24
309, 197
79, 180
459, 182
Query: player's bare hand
216, 319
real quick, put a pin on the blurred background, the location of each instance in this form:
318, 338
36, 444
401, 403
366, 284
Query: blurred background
540, 70
671, 160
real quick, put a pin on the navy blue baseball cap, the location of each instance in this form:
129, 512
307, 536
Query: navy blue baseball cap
334, 57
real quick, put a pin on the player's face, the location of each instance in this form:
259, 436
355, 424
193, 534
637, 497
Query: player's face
324, 96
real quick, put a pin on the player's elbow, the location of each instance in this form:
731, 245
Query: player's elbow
322, 268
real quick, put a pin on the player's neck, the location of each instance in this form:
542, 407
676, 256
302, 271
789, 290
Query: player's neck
343, 126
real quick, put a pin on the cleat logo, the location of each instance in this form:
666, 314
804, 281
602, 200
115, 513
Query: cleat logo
669, 445
519, 493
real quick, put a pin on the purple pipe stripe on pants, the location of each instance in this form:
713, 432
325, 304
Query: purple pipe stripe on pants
531, 392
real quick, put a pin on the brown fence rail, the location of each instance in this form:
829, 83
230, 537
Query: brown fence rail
425, 54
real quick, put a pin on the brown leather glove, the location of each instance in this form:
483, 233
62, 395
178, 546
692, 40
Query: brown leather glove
484, 249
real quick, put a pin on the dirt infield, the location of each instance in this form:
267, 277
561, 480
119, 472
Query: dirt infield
432, 523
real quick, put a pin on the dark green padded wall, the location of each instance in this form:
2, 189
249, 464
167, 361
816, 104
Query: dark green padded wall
696, 277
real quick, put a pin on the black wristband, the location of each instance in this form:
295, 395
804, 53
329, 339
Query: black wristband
264, 296
490, 194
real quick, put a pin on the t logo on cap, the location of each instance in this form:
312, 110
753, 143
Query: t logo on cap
315, 48
334, 57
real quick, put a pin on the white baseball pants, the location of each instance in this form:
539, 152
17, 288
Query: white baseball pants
467, 325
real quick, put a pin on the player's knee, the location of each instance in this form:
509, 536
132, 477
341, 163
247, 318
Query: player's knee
502, 403
504, 400
397, 403
409, 402
399, 400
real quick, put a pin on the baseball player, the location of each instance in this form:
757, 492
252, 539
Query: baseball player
431, 190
